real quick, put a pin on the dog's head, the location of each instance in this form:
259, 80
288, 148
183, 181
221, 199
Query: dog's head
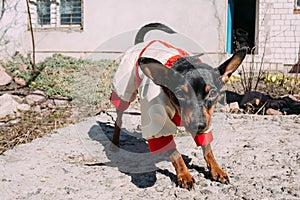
193, 87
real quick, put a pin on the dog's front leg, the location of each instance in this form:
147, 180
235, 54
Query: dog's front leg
184, 178
216, 171
116, 136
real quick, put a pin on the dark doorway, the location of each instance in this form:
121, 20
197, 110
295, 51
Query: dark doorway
240, 24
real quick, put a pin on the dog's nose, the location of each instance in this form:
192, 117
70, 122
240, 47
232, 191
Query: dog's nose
201, 125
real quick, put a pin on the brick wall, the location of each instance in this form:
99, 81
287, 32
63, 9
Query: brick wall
278, 31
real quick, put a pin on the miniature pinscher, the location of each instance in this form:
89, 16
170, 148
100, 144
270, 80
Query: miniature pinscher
175, 89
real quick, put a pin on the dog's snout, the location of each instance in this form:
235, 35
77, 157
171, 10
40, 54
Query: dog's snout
201, 125
198, 127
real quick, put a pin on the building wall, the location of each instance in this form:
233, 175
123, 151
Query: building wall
13, 27
279, 31
112, 24
200, 20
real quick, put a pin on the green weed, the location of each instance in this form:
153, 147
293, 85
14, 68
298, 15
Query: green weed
84, 81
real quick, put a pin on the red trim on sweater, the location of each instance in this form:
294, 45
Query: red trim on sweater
166, 143
177, 119
170, 61
119, 104
161, 144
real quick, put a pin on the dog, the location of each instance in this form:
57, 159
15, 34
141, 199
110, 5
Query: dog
175, 89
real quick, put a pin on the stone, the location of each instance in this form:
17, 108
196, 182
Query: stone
19, 81
37, 109
23, 107
293, 97
23, 67
272, 111
40, 92
17, 99
35, 97
61, 102
233, 107
8, 105
4, 77
48, 103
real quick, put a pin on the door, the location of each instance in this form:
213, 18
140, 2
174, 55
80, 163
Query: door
241, 18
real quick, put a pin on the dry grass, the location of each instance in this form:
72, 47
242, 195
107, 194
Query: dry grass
31, 125
87, 85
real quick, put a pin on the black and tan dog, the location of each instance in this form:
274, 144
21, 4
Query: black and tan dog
175, 89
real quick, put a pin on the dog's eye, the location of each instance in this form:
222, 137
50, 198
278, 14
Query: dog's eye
213, 93
211, 98
179, 95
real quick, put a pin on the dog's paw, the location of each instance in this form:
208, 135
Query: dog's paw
218, 174
185, 180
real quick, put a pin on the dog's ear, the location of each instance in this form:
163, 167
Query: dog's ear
156, 71
230, 65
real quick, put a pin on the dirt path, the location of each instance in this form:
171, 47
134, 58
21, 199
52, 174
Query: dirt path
261, 154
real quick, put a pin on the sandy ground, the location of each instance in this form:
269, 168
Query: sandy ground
261, 155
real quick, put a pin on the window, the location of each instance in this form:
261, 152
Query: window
43, 12
57, 14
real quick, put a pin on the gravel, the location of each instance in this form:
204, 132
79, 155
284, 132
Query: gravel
261, 155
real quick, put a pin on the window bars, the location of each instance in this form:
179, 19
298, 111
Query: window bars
57, 13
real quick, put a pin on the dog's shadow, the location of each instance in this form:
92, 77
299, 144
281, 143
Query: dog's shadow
133, 157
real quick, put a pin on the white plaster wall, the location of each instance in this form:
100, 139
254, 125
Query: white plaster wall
13, 26
203, 21
110, 25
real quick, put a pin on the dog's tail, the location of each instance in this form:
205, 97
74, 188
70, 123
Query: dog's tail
139, 38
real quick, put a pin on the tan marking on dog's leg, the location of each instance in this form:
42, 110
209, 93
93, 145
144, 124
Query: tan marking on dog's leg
184, 178
208, 115
215, 170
